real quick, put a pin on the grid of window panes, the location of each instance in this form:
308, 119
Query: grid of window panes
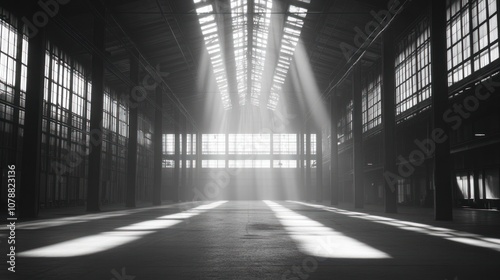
63, 132
413, 68
285, 164
213, 144
249, 144
285, 144
66, 141
344, 126
213, 163
372, 103
472, 36
191, 144
168, 142
210, 31
13, 54
240, 36
313, 144
256, 146
249, 163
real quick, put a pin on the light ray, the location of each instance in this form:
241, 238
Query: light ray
289, 41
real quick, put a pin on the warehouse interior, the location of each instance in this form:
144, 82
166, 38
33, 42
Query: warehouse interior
250, 139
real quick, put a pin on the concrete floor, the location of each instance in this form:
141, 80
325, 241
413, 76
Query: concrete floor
258, 240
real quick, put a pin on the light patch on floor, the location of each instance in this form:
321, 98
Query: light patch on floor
467, 238
108, 240
318, 240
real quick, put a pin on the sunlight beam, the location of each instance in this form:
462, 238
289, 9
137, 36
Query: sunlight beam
291, 34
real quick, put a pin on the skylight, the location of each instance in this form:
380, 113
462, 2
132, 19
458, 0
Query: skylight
262, 20
250, 23
210, 33
244, 51
239, 16
291, 34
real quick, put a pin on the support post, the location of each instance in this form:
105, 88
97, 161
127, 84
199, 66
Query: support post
443, 204
177, 155
357, 136
198, 162
31, 157
158, 147
389, 123
334, 152
96, 115
308, 187
183, 185
132, 148
319, 166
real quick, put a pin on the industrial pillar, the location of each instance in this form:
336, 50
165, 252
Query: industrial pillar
357, 137
96, 115
308, 186
133, 127
198, 183
183, 185
389, 123
319, 166
300, 152
334, 152
158, 147
443, 206
177, 155
31, 157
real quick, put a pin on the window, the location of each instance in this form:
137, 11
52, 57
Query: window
249, 163
168, 144
214, 144
313, 144
213, 164
249, 144
413, 68
285, 144
472, 36
372, 104
285, 164
344, 126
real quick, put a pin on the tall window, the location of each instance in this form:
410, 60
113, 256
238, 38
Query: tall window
13, 54
472, 37
345, 124
413, 68
168, 141
372, 104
